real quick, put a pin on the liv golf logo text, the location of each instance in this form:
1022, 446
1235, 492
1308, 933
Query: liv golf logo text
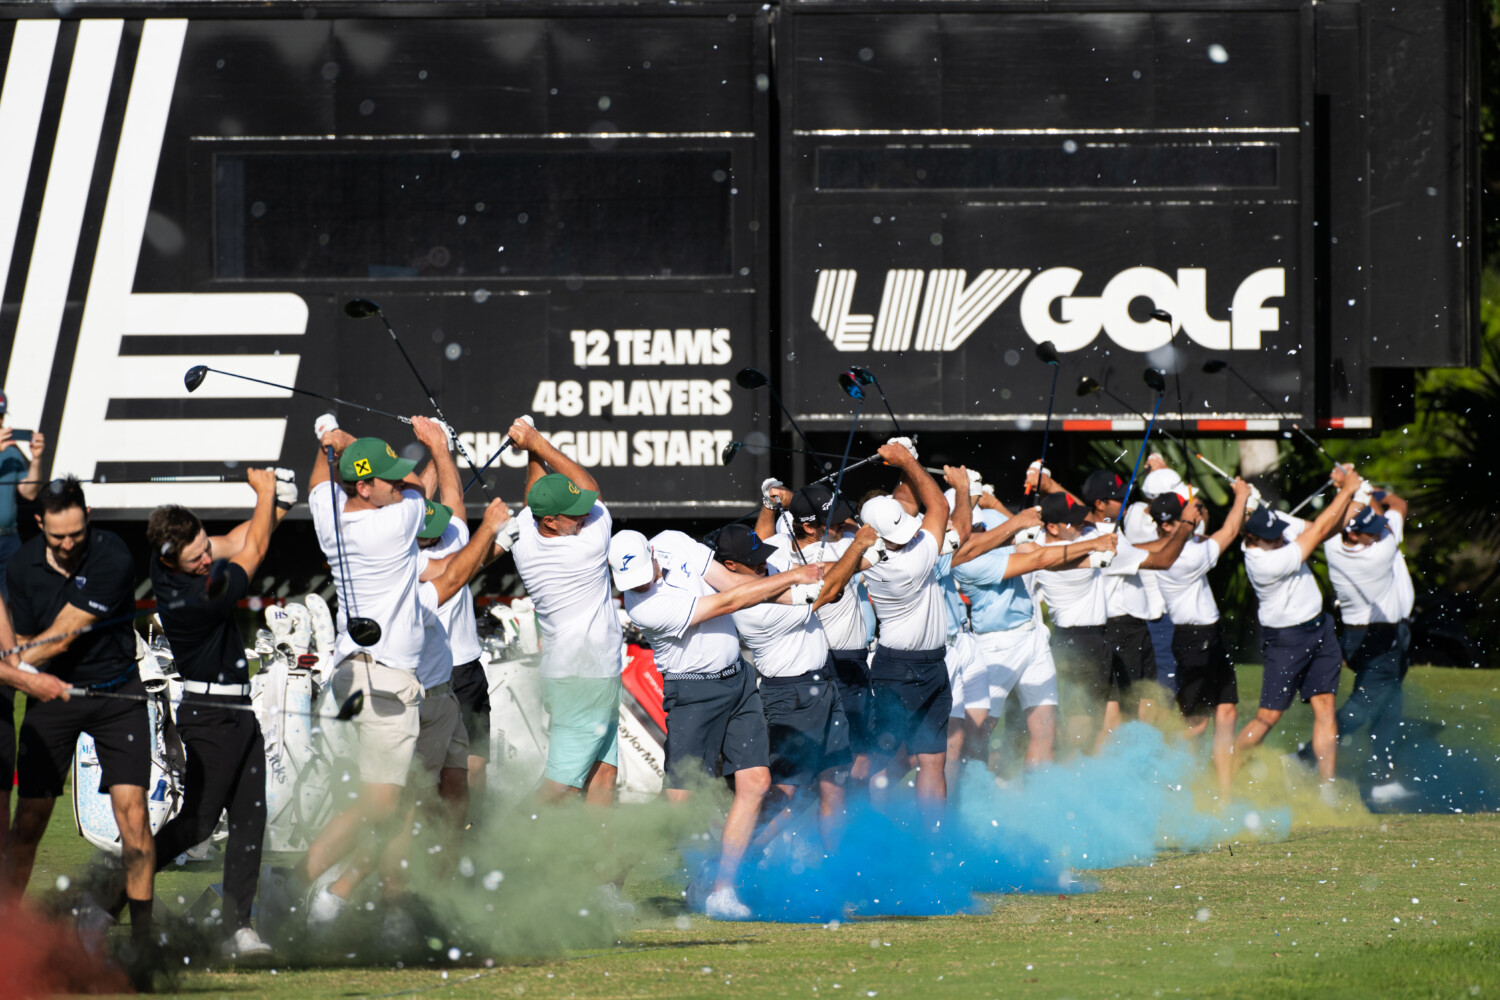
952, 308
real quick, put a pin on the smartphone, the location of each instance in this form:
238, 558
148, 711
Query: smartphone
20, 435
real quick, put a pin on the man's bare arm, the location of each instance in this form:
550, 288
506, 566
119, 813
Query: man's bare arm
756, 591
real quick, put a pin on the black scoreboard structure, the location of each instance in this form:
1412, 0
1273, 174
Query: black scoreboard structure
598, 213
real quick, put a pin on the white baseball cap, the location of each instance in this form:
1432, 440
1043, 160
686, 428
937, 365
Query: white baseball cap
1159, 481
630, 560
889, 519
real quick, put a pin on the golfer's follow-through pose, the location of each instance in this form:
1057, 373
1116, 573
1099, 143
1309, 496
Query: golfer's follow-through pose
379, 511
713, 708
71, 576
226, 752
561, 552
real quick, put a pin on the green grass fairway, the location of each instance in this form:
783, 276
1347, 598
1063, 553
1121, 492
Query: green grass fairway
1397, 906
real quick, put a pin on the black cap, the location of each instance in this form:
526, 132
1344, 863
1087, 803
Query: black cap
1263, 524
4, 404
1060, 508
1167, 507
1102, 485
1367, 522
741, 544
812, 501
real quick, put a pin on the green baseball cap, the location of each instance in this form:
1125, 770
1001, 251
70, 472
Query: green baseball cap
436, 519
372, 458
555, 493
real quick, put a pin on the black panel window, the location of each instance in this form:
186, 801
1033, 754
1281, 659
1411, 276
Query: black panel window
491, 214
1061, 165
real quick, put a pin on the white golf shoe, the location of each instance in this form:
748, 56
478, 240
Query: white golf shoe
723, 904
324, 908
245, 944
1391, 791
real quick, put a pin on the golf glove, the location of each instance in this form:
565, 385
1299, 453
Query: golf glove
327, 422
1254, 501
876, 553
906, 443
1364, 493
1032, 535
805, 593
448, 434
766, 487
507, 535
1099, 559
286, 488
950, 541
976, 484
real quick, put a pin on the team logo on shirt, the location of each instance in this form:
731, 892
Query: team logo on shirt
362, 468
80, 581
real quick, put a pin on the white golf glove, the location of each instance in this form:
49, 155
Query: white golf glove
950, 541
1032, 535
1099, 559
507, 535
766, 487
327, 422
805, 593
286, 488
906, 443
448, 434
1036, 466
976, 484
876, 553
1254, 501
1364, 493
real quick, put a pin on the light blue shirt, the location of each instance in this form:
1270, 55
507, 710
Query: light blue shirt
958, 615
995, 603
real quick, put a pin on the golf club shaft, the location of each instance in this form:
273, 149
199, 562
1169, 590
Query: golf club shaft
1214, 467
838, 483
126, 481
350, 611
1047, 427
316, 395
488, 462
1272, 407
887, 403
1311, 497
469, 457
1164, 432
103, 623
1145, 443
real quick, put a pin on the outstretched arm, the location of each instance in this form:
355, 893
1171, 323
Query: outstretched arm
1331, 518
1234, 521
462, 565
929, 494
542, 454
756, 591
841, 572
985, 541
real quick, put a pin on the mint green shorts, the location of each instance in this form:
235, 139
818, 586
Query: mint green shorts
585, 715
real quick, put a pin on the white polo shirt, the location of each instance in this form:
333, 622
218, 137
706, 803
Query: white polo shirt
381, 547
1367, 579
567, 578
1283, 583
664, 611
843, 620
908, 601
1139, 528
457, 613
787, 640
1184, 584
1074, 597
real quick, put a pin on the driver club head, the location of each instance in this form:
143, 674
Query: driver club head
217, 584
1046, 352
1155, 379
730, 451
351, 706
364, 631
751, 378
361, 309
850, 385
194, 377
864, 375
1087, 386
1213, 366
1162, 315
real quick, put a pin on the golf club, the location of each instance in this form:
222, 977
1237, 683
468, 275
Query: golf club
1311, 497
1215, 365
346, 713
1227, 477
754, 378
364, 309
364, 631
1162, 316
1087, 386
1158, 382
1046, 353
732, 449
215, 586
228, 477
867, 377
498, 452
196, 374
850, 384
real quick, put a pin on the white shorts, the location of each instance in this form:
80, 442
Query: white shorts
966, 675
1018, 660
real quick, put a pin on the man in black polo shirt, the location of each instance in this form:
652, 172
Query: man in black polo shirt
226, 753
71, 576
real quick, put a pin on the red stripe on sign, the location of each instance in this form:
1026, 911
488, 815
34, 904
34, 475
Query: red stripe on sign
643, 681
1221, 425
1088, 425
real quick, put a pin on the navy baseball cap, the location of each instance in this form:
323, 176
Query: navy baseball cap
1262, 523
811, 503
1060, 508
1367, 522
1102, 485
741, 544
1167, 507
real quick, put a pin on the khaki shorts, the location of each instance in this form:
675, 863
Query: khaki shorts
388, 723
442, 742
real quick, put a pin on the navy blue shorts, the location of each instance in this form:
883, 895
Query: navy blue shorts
1303, 659
1132, 657
912, 701
715, 726
1205, 671
806, 724
1084, 661
852, 674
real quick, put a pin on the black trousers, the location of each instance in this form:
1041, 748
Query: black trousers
226, 769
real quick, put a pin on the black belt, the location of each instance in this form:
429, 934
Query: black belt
806, 678
712, 675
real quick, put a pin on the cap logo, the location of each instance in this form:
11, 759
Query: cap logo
390, 451
429, 510
1069, 498
361, 466
625, 560
573, 489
